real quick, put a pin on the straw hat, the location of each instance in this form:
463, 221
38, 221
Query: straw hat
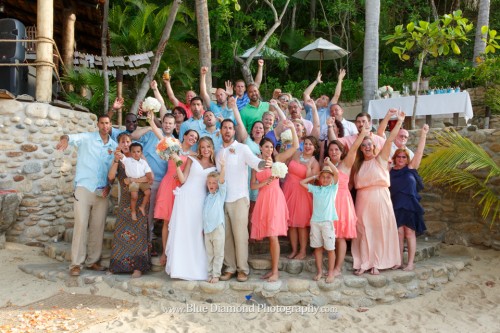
327, 169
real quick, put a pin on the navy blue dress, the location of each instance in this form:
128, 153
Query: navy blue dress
405, 185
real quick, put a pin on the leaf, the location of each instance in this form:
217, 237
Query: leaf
237, 6
406, 57
489, 49
423, 24
492, 33
455, 47
484, 29
410, 27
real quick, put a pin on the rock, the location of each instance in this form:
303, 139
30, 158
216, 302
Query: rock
288, 299
335, 285
260, 263
212, 288
297, 285
29, 148
377, 281
355, 281
37, 110
403, 277
9, 204
32, 167
294, 266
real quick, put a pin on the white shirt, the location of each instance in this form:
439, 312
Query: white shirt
134, 168
238, 157
349, 127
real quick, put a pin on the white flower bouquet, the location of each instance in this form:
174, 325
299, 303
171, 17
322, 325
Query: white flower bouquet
385, 91
151, 104
279, 170
166, 147
286, 136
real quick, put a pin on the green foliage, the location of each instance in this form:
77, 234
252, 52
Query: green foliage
488, 74
92, 81
450, 72
459, 164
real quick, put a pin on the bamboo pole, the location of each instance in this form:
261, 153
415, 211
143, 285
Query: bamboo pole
44, 53
69, 41
119, 91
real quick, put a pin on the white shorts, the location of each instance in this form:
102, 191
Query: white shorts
322, 235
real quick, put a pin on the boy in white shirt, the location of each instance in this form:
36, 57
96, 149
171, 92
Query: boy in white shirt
137, 168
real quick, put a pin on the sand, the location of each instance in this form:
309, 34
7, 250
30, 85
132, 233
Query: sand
467, 304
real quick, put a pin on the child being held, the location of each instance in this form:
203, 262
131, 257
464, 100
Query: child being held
137, 168
213, 222
322, 235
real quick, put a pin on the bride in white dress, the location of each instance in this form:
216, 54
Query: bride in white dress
186, 256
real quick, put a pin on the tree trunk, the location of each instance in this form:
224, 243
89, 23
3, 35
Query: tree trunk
312, 16
144, 87
69, 42
104, 46
482, 19
294, 17
371, 49
204, 39
44, 50
434, 10
417, 90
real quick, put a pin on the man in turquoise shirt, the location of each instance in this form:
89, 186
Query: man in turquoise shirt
95, 155
255, 109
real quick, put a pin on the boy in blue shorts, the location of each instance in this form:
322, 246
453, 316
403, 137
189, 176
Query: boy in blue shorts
322, 235
213, 222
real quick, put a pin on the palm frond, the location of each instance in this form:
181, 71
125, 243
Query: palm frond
458, 163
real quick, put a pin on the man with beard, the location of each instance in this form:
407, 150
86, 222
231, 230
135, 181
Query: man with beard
210, 122
219, 109
255, 109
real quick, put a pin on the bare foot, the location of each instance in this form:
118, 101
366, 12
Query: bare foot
317, 277
142, 210
330, 277
214, 280
359, 272
266, 276
409, 268
136, 274
337, 272
273, 277
300, 256
291, 255
163, 259
396, 267
374, 271
134, 216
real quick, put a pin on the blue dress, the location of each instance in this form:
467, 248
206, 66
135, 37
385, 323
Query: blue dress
405, 185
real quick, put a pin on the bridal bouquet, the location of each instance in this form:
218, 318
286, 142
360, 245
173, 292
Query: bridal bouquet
166, 147
286, 136
385, 91
151, 104
279, 170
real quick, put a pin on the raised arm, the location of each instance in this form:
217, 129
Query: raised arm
351, 154
330, 123
222, 173
154, 128
383, 124
386, 149
114, 167
258, 76
139, 132
338, 87
334, 169
117, 104
315, 118
304, 182
417, 158
307, 93
203, 87
281, 115
170, 92
287, 154
182, 175
241, 131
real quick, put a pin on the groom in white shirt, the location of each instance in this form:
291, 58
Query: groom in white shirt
238, 158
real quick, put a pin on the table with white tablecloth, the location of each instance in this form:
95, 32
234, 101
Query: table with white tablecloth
442, 105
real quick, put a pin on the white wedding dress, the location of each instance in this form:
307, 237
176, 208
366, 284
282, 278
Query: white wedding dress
186, 255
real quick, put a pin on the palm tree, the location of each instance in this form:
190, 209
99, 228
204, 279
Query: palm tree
483, 18
370, 58
459, 164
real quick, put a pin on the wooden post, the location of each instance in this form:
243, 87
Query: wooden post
69, 41
119, 91
428, 120
44, 50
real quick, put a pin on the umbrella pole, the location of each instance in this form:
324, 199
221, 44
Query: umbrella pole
320, 59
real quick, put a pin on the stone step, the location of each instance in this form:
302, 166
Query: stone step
425, 249
291, 289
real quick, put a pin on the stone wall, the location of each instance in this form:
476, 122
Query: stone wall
30, 164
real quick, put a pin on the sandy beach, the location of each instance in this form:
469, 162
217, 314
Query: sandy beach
468, 303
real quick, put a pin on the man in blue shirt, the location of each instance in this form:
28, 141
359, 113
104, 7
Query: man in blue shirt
220, 109
95, 156
196, 121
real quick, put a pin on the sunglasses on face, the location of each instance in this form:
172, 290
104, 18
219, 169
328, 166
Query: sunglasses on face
402, 156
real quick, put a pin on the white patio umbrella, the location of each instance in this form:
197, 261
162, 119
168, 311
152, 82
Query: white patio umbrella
320, 49
265, 53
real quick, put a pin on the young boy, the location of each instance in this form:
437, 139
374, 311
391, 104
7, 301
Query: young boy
322, 236
213, 222
136, 168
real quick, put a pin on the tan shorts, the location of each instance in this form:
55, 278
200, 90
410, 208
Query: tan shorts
135, 187
322, 235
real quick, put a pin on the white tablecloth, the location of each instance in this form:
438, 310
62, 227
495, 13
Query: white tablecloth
444, 105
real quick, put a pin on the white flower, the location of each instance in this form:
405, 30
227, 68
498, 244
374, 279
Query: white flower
385, 90
286, 136
151, 104
279, 170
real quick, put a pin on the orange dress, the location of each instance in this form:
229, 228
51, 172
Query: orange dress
270, 214
298, 199
377, 243
165, 196
345, 226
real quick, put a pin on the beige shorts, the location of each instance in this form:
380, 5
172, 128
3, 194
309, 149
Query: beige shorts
135, 187
322, 235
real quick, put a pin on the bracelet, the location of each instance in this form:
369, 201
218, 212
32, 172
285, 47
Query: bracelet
330, 126
115, 161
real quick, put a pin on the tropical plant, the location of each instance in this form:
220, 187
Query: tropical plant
488, 74
459, 164
437, 39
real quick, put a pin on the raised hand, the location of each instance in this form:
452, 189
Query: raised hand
118, 154
392, 112
425, 129
204, 70
342, 74
364, 132
310, 102
231, 102
260, 62
229, 88
318, 78
118, 103
330, 121
153, 85
401, 115
327, 160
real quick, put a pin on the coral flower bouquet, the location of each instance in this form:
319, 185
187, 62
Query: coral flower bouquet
166, 147
279, 170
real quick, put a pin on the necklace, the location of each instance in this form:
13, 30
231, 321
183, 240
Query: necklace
183, 153
304, 160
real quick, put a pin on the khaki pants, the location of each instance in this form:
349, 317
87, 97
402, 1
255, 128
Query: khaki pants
214, 244
152, 203
90, 215
236, 246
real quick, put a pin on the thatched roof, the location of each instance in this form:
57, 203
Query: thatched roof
87, 26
